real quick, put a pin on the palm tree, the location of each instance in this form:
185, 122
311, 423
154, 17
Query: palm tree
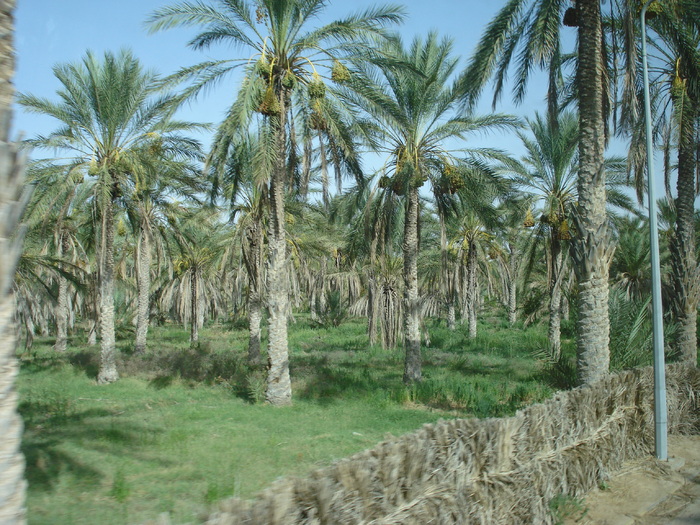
538, 23
151, 212
677, 78
244, 185
287, 53
109, 119
12, 483
548, 173
415, 114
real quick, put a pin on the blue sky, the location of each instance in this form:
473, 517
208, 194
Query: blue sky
55, 31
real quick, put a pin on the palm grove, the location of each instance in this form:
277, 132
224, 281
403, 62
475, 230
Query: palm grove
132, 222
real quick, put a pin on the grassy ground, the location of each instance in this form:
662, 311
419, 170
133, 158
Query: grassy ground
184, 428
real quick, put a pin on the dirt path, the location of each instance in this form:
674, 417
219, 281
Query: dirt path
647, 491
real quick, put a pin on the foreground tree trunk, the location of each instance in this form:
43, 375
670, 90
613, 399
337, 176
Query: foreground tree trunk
108, 358
143, 279
684, 271
413, 363
279, 385
12, 483
62, 304
591, 249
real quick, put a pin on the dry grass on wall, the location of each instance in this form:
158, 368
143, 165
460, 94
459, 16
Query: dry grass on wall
483, 471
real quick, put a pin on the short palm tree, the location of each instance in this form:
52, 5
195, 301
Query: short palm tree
286, 54
416, 118
109, 116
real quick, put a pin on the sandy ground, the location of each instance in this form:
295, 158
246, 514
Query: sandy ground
647, 491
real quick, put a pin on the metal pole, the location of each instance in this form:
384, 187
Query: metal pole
660, 410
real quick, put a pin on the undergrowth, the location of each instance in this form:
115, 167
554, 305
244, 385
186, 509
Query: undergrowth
186, 427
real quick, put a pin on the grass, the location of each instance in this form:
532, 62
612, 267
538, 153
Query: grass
185, 428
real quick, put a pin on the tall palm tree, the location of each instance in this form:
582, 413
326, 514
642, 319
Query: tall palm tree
415, 115
538, 22
287, 52
12, 483
675, 72
110, 117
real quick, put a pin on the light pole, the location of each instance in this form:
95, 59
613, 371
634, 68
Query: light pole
660, 410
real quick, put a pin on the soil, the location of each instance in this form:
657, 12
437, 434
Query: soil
646, 491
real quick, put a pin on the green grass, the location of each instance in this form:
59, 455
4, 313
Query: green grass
182, 428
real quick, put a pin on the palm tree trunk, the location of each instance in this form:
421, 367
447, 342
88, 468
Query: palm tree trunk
591, 249
512, 272
252, 258
93, 311
373, 293
108, 365
194, 307
143, 278
412, 369
62, 305
279, 386
12, 483
554, 329
471, 294
684, 270
446, 277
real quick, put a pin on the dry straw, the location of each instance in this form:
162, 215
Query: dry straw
484, 471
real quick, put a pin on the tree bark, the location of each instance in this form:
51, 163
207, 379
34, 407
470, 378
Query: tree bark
12, 483
252, 258
108, 359
554, 328
684, 269
143, 279
62, 304
194, 307
513, 264
471, 295
413, 363
279, 386
591, 250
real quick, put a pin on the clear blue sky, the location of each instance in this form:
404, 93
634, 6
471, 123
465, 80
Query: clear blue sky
55, 31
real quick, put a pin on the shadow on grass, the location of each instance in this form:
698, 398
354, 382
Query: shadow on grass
52, 422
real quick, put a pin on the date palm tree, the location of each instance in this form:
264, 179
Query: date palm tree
109, 116
675, 75
287, 52
533, 26
414, 117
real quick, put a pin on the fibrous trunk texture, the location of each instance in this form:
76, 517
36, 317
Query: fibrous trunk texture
143, 278
513, 265
194, 307
62, 303
471, 289
684, 271
412, 367
554, 329
12, 483
252, 258
108, 358
279, 386
591, 250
